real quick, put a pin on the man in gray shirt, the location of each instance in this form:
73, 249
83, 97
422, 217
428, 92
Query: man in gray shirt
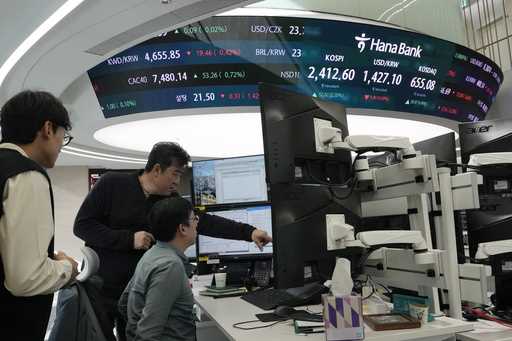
157, 302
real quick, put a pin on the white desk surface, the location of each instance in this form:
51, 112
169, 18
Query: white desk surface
487, 331
227, 311
496, 336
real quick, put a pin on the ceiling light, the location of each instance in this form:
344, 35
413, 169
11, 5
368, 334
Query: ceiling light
229, 135
38, 33
80, 150
100, 157
213, 135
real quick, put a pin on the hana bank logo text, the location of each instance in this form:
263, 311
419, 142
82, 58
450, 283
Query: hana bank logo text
382, 46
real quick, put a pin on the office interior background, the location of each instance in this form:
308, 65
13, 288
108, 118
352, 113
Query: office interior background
52, 45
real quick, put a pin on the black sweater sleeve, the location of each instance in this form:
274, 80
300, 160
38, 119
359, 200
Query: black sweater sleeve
89, 223
219, 227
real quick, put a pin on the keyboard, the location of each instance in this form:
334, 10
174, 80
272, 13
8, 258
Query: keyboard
271, 298
268, 299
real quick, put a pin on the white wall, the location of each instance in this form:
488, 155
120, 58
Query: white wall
70, 186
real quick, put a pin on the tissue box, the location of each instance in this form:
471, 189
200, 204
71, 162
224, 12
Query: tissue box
343, 317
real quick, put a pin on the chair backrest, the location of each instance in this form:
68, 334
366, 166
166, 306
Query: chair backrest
91, 263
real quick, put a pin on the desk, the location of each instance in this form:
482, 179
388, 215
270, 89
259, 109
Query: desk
486, 331
225, 312
497, 336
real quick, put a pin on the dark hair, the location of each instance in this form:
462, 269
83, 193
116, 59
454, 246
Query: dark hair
24, 115
166, 215
166, 154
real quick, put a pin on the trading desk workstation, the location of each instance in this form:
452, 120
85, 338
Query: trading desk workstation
333, 218
224, 313
405, 233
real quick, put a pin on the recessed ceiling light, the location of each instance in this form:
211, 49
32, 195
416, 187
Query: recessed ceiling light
229, 135
88, 156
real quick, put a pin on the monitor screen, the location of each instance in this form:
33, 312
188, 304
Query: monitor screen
233, 180
219, 61
190, 252
259, 216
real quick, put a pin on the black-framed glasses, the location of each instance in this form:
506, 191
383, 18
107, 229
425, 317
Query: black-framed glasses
67, 139
194, 218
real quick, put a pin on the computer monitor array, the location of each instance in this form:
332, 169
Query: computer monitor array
304, 185
259, 216
232, 180
493, 221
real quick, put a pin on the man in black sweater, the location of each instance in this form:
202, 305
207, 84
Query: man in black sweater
113, 220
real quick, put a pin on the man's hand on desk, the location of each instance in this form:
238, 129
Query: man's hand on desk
260, 238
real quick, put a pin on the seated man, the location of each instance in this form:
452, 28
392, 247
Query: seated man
157, 302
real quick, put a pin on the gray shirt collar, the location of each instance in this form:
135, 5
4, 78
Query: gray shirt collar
178, 252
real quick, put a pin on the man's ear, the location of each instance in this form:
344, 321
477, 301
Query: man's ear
157, 168
182, 228
46, 130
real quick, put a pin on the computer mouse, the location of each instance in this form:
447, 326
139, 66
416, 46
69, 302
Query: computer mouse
284, 311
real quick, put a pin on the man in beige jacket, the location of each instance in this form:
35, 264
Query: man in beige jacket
34, 128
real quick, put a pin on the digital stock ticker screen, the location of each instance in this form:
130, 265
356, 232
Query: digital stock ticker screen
220, 61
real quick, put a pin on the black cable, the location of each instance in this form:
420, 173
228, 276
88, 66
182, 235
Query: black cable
352, 187
364, 258
236, 325
342, 185
380, 284
371, 294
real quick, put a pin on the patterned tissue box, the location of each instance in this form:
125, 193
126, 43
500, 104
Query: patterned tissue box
343, 317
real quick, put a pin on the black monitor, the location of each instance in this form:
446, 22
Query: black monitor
305, 185
229, 180
233, 188
493, 221
443, 147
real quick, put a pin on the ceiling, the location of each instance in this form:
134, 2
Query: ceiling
92, 32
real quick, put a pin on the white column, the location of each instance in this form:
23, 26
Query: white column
451, 266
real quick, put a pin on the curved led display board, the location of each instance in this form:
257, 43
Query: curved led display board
219, 61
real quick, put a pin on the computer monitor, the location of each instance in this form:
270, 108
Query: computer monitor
443, 147
303, 184
259, 216
493, 221
230, 180
190, 252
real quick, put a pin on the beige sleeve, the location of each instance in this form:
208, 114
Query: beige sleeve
26, 229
